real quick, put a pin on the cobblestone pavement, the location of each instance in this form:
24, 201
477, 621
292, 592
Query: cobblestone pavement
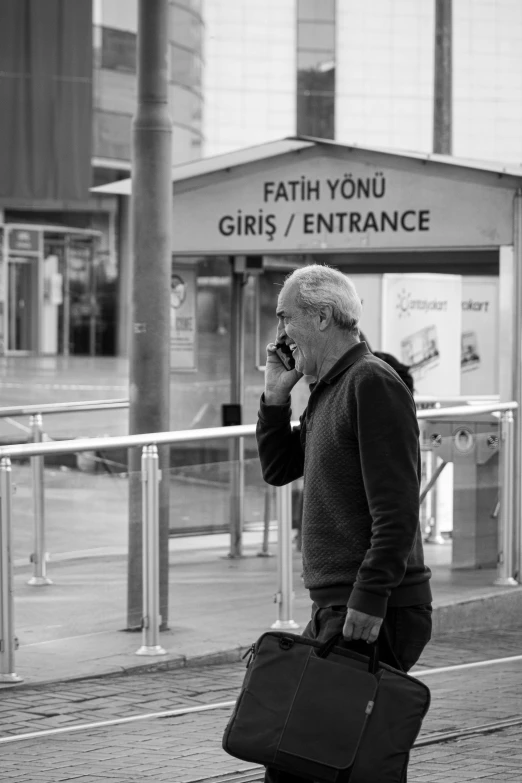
188, 748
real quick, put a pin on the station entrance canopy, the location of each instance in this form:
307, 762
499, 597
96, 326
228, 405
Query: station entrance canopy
303, 195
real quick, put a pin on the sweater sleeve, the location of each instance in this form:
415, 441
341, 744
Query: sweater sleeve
280, 450
388, 435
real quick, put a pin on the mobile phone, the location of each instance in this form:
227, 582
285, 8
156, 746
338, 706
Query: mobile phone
285, 355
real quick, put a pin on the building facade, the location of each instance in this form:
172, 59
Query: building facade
114, 88
64, 264
361, 72
244, 72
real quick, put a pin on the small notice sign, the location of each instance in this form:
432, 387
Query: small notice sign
183, 331
24, 240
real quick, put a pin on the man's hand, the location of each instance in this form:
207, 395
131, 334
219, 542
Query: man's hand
359, 625
279, 381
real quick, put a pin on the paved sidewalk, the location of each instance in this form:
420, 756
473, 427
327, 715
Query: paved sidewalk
186, 749
218, 607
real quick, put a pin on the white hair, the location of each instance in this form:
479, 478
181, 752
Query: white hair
319, 285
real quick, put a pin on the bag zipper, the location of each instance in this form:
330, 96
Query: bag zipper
251, 652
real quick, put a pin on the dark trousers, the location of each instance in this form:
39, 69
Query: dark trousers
404, 633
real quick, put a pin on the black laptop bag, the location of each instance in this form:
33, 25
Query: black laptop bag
321, 712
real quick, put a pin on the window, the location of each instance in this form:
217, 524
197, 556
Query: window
316, 68
316, 35
316, 10
118, 50
185, 67
112, 135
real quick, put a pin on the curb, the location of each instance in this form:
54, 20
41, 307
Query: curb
233, 655
485, 613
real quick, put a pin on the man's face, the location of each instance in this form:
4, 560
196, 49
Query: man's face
299, 329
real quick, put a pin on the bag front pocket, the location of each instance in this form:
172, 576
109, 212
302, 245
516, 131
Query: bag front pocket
328, 715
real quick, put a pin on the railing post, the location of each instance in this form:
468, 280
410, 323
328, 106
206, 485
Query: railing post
264, 552
237, 496
7, 633
285, 594
150, 477
434, 536
506, 518
38, 557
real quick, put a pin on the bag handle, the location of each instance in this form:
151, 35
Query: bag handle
373, 651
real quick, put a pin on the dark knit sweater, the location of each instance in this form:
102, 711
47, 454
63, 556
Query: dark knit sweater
358, 449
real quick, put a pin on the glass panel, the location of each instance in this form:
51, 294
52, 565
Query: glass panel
105, 287
459, 517
197, 396
86, 520
316, 35
316, 103
316, 10
82, 302
112, 135
185, 67
185, 28
316, 61
200, 497
86, 523
118, 50
22, 288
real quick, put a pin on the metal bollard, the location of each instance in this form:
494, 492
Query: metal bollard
38, 558
150, 477
284, 596
506, 518
237, 496
434, 470
7, 634
266, 523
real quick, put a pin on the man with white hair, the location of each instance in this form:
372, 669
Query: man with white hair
358, 450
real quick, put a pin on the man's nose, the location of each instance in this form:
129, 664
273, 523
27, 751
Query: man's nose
280, 334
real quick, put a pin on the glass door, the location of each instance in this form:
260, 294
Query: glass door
82, 302
22, 304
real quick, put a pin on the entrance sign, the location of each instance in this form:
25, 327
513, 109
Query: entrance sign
23, 240
319, 202
421, 327
480, 333
183, 318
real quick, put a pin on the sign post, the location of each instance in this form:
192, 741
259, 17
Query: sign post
152, 244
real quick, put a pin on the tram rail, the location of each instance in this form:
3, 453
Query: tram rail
432, 738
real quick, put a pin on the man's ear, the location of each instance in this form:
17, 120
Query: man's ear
325, 317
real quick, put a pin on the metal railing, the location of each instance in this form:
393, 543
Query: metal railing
151, 479
63, 407
37, 435
473, 409
438, 402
